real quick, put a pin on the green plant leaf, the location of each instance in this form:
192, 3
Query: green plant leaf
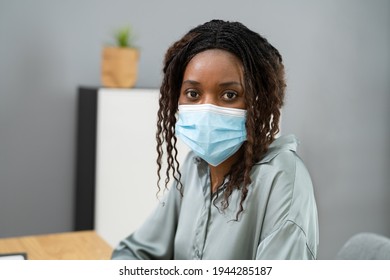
124, 37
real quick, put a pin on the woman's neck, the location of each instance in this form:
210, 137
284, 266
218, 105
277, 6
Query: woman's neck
218, 173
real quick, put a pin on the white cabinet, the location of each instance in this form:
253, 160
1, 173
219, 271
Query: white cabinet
126, 160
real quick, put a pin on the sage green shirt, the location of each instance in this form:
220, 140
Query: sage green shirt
279, 219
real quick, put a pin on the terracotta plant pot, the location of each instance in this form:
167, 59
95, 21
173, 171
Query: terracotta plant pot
119, 67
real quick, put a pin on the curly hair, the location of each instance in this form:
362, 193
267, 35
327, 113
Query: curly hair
264, 87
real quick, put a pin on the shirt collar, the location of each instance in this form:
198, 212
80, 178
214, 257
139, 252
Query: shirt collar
283, 143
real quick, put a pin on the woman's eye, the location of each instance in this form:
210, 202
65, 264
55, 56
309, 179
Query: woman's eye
192, 94
230, 95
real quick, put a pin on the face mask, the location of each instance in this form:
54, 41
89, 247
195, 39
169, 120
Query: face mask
213, 133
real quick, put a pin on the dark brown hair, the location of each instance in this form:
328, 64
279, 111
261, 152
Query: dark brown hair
264, 87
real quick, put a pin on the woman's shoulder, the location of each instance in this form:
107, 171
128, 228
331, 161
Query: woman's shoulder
283, 161
282, 176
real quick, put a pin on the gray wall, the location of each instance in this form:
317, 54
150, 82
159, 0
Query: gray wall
337, 56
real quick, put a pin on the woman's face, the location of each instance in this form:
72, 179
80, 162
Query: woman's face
213, 77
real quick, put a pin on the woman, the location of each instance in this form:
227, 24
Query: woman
240, 193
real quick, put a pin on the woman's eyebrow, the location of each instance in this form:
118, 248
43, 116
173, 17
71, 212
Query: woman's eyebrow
232, 83
191, 82
224, 84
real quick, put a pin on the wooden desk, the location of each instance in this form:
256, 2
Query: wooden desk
78, 245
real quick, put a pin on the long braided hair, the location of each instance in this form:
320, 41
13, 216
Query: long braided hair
264, 87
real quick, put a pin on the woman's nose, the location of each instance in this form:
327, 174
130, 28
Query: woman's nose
209, 98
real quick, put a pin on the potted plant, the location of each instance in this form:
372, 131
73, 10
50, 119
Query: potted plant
120, 62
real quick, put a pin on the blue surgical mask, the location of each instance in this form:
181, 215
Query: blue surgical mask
213, 133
